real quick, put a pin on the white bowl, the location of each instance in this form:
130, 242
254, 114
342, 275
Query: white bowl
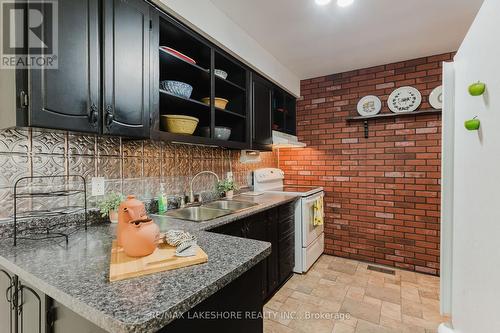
220, 73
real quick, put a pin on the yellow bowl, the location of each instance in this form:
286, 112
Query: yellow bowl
219, 102
179, 124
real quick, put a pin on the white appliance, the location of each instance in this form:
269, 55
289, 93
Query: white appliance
470, 215
309, 239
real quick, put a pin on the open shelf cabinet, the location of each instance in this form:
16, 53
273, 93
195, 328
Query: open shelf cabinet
283, 111
199, 74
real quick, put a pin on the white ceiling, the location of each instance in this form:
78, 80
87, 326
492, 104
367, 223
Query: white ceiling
314, 40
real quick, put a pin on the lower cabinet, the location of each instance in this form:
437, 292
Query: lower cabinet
23, 309
6, 309
276, 226
237, 299
68, 321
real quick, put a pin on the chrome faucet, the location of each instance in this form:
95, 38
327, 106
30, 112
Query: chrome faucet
191, 195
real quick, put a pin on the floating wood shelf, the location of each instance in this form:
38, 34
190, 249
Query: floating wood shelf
365, 119
393, 115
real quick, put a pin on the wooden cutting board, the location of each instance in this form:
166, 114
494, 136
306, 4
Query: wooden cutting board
163, 259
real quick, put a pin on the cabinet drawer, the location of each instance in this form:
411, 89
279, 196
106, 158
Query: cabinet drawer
286, 227
287, 257
286, 211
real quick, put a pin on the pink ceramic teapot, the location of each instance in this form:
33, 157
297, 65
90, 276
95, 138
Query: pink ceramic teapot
136, 233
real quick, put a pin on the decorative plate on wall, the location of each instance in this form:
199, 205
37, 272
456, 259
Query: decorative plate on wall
436, 98
369, 105
404, 99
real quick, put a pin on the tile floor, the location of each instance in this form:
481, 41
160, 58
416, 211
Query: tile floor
341, 296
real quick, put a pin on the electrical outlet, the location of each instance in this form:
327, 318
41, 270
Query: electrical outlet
97, 186
229, 175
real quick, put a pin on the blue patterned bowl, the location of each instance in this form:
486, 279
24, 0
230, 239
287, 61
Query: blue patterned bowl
177, 88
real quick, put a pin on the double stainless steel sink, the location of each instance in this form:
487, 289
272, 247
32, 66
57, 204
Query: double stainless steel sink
210, 211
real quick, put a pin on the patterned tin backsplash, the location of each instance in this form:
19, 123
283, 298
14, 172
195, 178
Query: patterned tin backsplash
130, 167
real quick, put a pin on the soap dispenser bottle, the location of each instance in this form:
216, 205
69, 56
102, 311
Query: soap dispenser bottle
162, 200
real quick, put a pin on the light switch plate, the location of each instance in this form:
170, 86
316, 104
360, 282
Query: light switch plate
97, 186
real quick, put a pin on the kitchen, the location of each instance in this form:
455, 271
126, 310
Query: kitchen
171, 165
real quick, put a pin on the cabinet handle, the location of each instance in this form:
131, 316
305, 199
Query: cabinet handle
93, 115
109, 116
8, 294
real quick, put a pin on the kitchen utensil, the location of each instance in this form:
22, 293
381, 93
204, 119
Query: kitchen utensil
220, 132
177, 88
140, 238
163, 259
436, 98
179, 124
177, 54
219, 102
220, 73
369, 105
404, 99
129, 210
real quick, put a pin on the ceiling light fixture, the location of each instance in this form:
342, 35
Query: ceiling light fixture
344, 3
322, 2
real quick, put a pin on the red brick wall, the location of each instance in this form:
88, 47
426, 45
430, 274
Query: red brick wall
382, 200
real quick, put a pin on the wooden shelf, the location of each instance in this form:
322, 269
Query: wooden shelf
365, 119
197, 140
393, 115
169, 57
228, 83
181, 99
228, 112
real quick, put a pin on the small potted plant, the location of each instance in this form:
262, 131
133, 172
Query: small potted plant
227, 187
109, 205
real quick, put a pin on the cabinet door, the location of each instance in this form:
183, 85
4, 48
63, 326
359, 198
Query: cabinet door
262, 134
6, 311
273, 259
68, 97
231, 229
126, 68
68, 321
32, 309
255, 227
286, 241
291, 114
286, 248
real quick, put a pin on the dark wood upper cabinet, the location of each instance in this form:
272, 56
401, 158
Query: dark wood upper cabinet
261, 91
126, 68
68, 97
110, 66
197, 69
283, 111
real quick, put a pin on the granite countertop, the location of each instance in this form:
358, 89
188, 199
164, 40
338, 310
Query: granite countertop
77, 275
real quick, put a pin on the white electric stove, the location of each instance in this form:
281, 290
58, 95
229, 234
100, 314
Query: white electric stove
309, 239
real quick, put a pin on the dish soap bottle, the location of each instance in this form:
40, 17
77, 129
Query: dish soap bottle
162, 200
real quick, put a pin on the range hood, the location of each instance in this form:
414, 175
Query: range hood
283, 140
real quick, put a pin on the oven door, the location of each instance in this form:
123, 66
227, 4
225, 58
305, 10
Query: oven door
310, 232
